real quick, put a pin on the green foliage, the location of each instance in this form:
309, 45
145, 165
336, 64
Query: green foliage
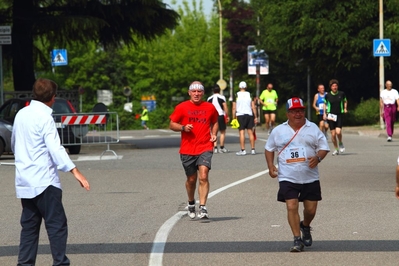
332, 38
159, 118
163, 68
58, 23
366, 113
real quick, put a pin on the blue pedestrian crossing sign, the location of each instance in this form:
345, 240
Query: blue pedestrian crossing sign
382, 47
59, 57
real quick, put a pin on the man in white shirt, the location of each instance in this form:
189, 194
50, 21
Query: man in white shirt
244, 110
219, 101
300, 147
38, 157
389, 104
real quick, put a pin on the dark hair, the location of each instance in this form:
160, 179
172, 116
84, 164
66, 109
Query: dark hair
333, 81
44, 90
216, 88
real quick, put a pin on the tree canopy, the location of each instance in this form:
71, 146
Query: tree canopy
332, 38
60, 22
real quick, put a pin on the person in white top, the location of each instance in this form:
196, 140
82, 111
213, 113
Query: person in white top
300, 146
219, 101
38, 157
244, 110
389, 104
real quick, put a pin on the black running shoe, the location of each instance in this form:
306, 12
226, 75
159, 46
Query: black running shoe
298, 245
306, 235
191, 211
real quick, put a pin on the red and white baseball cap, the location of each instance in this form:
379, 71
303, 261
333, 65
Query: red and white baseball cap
295, 103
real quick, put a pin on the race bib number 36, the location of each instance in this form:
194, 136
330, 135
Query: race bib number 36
295, 155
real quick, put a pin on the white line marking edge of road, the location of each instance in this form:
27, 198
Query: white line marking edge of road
161, 237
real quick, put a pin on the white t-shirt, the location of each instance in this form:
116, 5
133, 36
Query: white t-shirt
243, 103
217, 100
389, 96
293, 164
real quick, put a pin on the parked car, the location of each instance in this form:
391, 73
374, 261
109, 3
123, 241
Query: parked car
5, 136
61, 106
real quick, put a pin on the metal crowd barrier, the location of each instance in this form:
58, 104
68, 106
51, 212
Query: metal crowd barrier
88, 128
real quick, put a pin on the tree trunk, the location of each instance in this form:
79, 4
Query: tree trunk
22, 45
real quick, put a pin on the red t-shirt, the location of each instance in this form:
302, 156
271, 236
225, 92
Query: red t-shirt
201, 116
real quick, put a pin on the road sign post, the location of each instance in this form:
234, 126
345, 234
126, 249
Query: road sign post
381, 48
59, 57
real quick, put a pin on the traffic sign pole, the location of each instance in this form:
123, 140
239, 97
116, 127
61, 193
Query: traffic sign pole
381, 67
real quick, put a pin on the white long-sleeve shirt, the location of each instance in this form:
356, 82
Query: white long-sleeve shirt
37, 150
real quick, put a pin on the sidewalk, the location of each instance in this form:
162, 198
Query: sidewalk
372, 130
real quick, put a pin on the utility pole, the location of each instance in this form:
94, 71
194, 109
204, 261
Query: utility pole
220, 41
381, 67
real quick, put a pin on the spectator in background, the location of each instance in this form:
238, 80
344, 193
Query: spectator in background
38, 157
389, 104
144, 117
219, 101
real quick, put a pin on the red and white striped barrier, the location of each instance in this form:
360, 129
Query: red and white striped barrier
83, 119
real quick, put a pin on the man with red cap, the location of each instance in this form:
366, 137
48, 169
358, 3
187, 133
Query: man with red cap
300, 146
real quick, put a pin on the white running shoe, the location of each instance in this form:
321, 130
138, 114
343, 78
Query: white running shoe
240, 153
215, 150
203, 213
341, 148
335, 153
224, 150
389, 139
253, 152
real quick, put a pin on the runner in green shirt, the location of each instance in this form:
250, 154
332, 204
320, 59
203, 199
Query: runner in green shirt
268, 98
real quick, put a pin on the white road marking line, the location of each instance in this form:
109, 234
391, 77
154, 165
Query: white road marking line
99, 158
158, 245
7, 164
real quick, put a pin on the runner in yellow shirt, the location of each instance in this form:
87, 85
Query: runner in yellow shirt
268, 98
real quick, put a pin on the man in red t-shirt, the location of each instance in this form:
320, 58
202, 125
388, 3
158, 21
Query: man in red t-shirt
198, 122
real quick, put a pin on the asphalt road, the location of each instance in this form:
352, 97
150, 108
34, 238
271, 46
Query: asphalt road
138, 197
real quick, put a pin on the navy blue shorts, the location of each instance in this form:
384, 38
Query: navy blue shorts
309, 191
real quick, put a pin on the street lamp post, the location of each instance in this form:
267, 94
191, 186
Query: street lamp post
220, 41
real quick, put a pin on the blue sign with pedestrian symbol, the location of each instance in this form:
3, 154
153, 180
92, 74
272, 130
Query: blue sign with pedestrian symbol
382, 47
59, 57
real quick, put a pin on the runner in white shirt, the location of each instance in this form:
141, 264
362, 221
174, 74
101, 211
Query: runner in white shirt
244, 110
219, 101
300, 146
